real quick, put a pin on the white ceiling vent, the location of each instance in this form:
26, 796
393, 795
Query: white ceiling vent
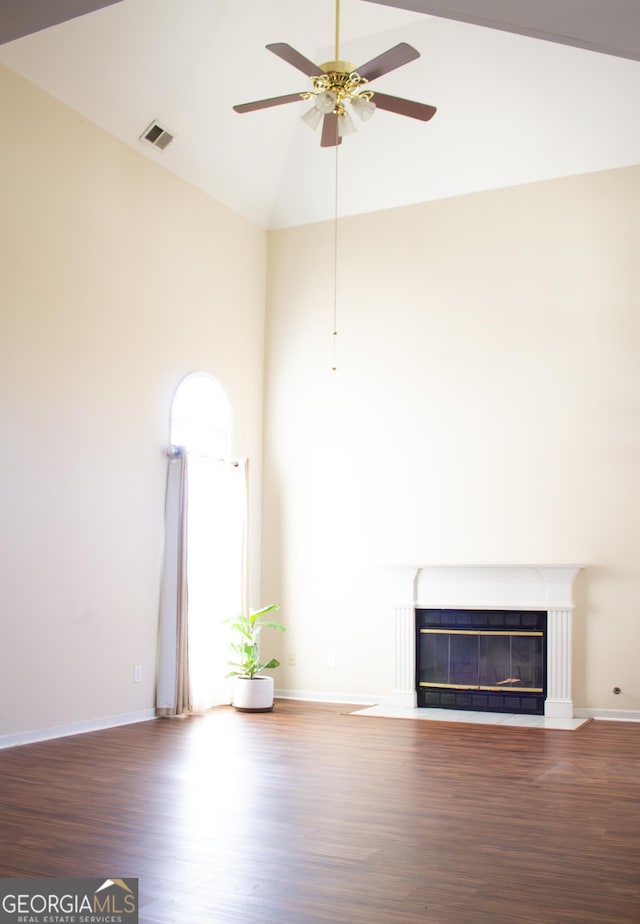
157, 135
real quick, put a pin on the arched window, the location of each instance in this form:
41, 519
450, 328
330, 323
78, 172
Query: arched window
201, 419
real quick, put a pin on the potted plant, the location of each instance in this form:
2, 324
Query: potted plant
252, 692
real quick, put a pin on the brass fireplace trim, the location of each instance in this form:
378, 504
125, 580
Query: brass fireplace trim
479, 632
472, 686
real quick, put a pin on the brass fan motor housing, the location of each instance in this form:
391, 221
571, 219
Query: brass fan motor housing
341, 79
338, 67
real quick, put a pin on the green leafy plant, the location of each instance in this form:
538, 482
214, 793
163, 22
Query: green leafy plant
246, 662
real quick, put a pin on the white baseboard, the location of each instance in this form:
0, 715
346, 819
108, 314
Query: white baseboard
75, 728
611, 715
318, 696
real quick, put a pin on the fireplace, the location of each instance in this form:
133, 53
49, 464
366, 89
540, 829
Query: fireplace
483, 660
543, 596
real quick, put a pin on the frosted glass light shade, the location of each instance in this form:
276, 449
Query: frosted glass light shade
346, 125
312, 117
363, 108
325, 102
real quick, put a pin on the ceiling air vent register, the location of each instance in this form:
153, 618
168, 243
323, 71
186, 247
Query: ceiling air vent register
157, 135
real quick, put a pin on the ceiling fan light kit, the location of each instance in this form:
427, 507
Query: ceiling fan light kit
340, 83
337, 83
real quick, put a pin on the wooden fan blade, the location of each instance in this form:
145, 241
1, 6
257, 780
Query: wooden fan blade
388, 61
405, 107
266, 103
330, 137
293, 57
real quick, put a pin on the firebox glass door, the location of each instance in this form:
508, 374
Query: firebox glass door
482, 660
463, 660
511, 661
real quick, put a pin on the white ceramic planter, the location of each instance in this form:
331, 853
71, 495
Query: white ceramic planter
255, 695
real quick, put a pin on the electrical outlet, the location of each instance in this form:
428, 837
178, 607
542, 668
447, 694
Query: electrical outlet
292, 660
137, 673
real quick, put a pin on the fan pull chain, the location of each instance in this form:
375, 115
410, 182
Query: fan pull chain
334, 365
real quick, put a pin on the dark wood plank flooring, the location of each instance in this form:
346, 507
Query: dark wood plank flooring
310, 814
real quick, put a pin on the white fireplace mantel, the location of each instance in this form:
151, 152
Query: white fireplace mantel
523, 587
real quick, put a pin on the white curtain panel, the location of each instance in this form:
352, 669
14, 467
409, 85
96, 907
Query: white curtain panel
173, 689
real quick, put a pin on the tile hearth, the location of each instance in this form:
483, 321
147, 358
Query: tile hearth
473, 718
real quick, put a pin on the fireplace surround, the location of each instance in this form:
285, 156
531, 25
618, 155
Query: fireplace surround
525, 588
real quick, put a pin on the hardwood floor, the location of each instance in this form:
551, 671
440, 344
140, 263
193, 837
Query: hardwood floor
309, 814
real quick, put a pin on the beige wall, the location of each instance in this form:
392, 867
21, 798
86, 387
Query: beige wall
486, 408
116, 280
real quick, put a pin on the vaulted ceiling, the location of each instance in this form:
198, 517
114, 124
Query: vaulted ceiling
521, 93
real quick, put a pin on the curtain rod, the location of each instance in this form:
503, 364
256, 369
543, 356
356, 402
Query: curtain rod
176, 452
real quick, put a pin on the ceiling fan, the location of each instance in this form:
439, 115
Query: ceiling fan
337, 82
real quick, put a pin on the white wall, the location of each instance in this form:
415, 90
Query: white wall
486, 408
117, 279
